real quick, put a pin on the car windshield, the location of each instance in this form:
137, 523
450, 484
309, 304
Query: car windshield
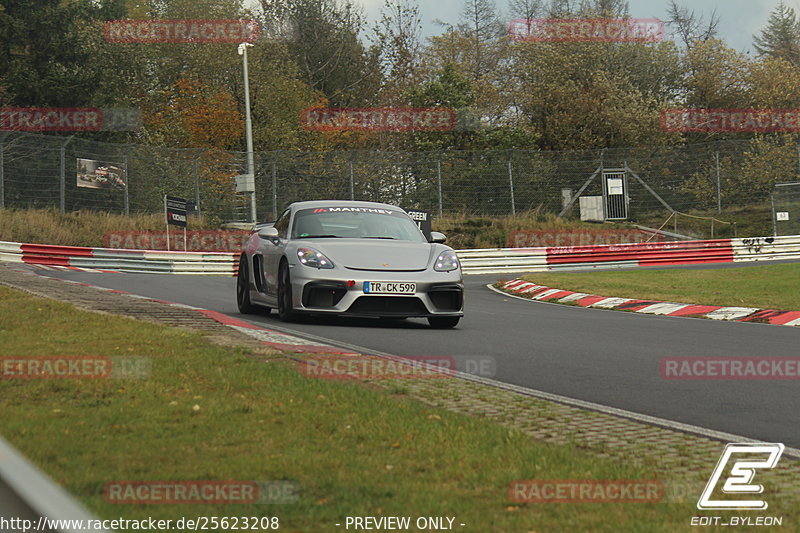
355, 223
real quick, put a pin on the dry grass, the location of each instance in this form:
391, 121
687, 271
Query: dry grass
79, 228
86, 228
464, 231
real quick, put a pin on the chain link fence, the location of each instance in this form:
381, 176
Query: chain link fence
40, 171
786, 209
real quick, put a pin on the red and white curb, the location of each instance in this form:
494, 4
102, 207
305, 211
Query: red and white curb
532, 291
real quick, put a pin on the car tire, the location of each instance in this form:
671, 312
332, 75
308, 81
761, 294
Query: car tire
285, 309
243, 288
443, 322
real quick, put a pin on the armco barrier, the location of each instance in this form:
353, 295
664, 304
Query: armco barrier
491, 261
141, 261
509, 260
36, 501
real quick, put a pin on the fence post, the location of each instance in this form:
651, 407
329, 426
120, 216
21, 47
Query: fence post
2, 177
62, 179
125, 199
511, 185
275, 186
774, 220
196, 173
62, 175
439, 179
352, 187
719, 188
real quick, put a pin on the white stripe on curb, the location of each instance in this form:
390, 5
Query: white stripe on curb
610, 303
731, 313
662, 308
573, 297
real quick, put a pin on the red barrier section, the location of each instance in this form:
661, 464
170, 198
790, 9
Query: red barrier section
658, 253
45, 254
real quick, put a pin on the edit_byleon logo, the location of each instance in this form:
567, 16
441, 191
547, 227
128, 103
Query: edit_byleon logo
745, 459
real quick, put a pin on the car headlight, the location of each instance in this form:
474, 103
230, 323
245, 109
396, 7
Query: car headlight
446, 261
312, 258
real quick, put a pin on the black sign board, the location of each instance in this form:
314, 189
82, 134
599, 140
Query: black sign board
423, 220
175, 209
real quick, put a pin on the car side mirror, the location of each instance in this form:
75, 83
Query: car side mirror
269, 233
437, 237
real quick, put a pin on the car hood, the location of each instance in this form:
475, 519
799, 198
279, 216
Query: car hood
376, 254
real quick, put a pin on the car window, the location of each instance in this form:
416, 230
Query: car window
355, 223
282, 224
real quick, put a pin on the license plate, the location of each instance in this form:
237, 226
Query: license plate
389, 287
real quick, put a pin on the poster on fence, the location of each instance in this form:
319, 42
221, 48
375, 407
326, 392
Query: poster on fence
94, 174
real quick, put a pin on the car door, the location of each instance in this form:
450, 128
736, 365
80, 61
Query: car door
272, 251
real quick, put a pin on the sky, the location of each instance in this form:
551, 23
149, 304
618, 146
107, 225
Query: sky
739, 19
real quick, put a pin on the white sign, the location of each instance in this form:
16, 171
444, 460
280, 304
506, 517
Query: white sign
782, 215
615, 186
245, 183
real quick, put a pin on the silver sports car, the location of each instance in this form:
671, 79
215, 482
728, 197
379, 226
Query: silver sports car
350, 259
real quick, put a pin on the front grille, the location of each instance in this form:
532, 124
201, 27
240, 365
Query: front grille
388, 305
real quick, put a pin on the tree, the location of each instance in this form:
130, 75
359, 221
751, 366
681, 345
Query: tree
781, 37
190, 114
480, 24
716, 76
44, 60
398, 39
323, 39
604, 8
774, 83
525, 9
692, 28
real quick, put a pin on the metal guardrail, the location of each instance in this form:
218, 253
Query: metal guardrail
131, 261
515, 260
476, 261
501, 260
28, 494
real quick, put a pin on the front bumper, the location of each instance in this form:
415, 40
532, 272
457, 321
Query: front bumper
321, 291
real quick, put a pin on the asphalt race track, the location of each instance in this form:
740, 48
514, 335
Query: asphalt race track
606, 357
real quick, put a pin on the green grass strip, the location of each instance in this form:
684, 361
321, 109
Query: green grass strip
354, 450
768, 287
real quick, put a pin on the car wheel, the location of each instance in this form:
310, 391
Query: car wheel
243, 288
443, 322
285, 310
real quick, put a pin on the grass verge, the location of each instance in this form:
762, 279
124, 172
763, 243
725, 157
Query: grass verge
79, 228
354, 450
769, 287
